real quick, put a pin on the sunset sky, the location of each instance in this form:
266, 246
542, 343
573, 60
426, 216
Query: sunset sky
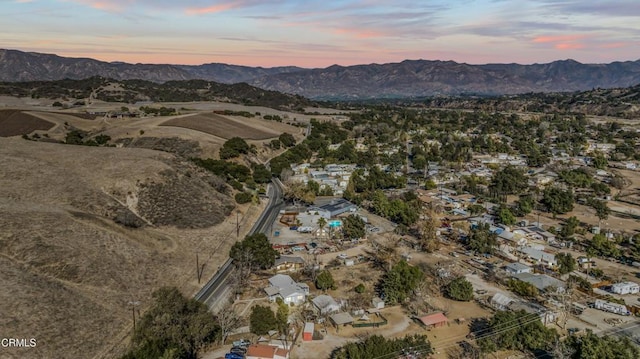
311, 33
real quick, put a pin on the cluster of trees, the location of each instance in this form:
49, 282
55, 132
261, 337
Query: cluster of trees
353, 227
601, 246
254, 251
262, 319
377, 346
236, 174
516, 330
400, 282
79, 137
482, 240
558, 200
162, 111
522, 288
174, 327
459, 289
234, 147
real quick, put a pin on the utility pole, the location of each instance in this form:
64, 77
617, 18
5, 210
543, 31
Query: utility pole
133, 304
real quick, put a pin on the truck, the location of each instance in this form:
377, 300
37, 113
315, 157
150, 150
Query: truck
611, 307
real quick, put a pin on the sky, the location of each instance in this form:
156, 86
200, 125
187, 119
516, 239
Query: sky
320, 33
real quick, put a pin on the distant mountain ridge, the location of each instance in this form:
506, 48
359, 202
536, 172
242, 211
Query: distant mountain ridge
410, 78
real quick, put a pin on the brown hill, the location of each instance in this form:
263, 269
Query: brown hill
68, 270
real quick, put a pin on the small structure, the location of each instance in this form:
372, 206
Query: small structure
286, 288
625, 288
262, 351
517, 268
434, 320
341, 318
288, 263
501, 301
307, 334
377, 303
325, 304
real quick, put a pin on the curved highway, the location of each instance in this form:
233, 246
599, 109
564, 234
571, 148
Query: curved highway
217, 290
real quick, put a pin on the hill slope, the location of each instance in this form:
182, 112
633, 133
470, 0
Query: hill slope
67, 269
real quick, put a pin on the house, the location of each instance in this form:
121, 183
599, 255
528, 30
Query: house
434, 320
517, 268
325, 304
282, 286
541, 281
539, 256
625, 288
335, 207
501, 301
262, 351
307, 333
289, 263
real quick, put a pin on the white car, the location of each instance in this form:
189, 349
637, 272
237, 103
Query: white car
342, 256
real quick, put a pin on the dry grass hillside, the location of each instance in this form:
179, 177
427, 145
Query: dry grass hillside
68, 270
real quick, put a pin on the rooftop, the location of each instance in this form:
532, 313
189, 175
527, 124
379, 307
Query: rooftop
435, 318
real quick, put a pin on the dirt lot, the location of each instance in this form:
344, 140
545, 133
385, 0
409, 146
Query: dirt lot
16, 123
221, 126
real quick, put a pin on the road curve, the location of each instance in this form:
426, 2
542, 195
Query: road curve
218, 289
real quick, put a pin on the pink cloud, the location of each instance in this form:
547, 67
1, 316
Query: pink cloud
211, 9
614, 45
569, 46
558, 38
358, 34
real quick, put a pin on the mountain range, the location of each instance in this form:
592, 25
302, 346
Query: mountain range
410, 78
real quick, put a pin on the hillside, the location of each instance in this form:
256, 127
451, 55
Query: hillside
410, 78
132, 91
68, 265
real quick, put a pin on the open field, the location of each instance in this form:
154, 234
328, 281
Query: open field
17, 122
222, 126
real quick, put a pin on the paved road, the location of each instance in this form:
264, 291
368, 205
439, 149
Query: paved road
217, 290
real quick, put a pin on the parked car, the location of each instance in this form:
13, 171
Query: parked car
343, 256
233, 356
241, 343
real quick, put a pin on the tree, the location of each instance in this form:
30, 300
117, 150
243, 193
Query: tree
400, 282
558, 200
566, 263
569, 227
243, 197
261, 174
325, 281
428, 232
522, 288
460, 289
601, 246
228, 320
353, 227
377, 346
482, 240
282, 318
174, 327
260, 252
591, 346
322, 222
599, 161
262, 320
287, 140
510, 180
233, 147
506, 217
516, 330
524, 205
602, 211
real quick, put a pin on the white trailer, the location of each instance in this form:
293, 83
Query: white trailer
611, 307
625, 288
